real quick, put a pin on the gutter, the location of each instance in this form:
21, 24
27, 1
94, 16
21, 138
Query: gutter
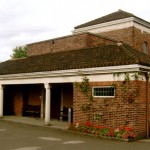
75, 72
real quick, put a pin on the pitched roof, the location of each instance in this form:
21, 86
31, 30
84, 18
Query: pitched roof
106, 55
120, 14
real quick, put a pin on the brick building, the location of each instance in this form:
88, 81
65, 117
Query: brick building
115, 44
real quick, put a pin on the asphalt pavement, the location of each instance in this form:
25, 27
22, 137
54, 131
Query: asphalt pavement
15, 136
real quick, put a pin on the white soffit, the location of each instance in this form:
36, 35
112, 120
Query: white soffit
75, 72
70, 76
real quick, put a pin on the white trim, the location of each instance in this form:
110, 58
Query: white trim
141, 27
103, 87
115, 25
104, 26
75, 72
142, 22
69, 76
47, 103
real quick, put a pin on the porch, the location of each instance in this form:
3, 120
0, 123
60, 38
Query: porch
36, 122
37, 101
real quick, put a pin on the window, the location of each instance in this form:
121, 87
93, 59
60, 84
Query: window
104, 91
145, 47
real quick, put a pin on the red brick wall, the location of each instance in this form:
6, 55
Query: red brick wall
73, 42
93, 40
18, 103
116, 112
34, 95
140, 38
57, 45
132, 36
125, 35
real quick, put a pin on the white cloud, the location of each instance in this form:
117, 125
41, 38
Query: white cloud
27, 21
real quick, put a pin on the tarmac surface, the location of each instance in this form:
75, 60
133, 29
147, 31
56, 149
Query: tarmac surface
20, 136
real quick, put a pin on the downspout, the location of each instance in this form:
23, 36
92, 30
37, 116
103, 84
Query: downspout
147, 105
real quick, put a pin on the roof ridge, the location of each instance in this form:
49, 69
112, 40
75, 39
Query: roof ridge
103, 17
117, 15
133, 15
120, 10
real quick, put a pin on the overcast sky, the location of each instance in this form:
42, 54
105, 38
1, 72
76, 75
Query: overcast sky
28, 21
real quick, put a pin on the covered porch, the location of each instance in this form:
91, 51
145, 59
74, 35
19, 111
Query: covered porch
44, 102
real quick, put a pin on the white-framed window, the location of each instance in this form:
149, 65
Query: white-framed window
103, 91
145, 47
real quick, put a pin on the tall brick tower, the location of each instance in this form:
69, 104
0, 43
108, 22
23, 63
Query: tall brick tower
121, 26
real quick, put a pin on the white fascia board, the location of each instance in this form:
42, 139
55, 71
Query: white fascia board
141, 27
142, 22
115, 25
75, 72
111, 24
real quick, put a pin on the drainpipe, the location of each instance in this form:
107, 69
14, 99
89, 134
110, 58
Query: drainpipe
147, 105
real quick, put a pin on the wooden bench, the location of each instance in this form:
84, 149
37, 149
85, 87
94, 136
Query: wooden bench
31, 110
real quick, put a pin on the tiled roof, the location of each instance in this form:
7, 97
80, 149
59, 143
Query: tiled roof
106, 55
120, 14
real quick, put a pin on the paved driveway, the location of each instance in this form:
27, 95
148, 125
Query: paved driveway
14, 136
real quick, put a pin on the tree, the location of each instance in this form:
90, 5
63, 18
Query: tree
19, 52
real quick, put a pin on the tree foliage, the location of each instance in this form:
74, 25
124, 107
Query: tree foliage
19, 52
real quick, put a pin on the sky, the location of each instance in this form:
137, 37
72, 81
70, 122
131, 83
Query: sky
27, 21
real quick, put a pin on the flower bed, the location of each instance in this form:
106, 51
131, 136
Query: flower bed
103, 131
